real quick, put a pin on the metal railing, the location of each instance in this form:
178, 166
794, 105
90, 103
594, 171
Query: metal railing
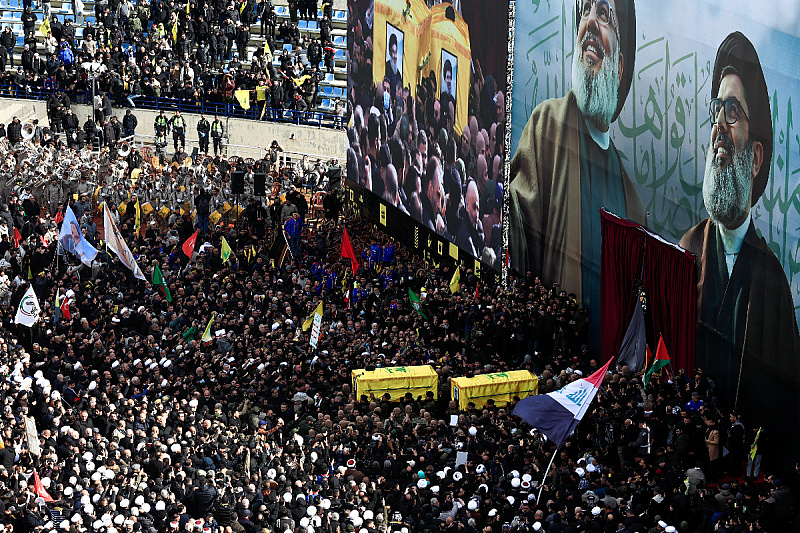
223, 109
287, 157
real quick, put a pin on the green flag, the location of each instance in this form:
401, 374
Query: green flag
416, 304
159, 281
662, 360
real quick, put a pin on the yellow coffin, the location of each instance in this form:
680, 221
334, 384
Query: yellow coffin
501, 387
397, 381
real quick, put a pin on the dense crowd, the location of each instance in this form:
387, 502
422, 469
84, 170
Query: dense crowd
406, 150
144, 427
195, 51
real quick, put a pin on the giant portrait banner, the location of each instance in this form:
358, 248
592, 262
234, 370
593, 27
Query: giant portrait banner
726, 188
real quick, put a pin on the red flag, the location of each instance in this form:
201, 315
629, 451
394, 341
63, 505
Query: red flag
16, 238
477, 292
65, 309
347, 251
188, 246
38, 488
59, 217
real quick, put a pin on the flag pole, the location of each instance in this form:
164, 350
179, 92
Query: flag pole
541, 487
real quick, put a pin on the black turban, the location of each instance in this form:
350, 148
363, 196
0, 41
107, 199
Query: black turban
737, 55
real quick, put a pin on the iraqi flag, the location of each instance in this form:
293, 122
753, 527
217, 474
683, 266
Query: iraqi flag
557, 414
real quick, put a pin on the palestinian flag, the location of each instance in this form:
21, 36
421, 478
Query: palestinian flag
661, 361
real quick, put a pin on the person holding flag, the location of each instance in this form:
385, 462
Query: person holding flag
558, 413
455, 282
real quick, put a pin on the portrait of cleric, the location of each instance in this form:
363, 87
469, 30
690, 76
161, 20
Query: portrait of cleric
747, 336
566, 167
394, 58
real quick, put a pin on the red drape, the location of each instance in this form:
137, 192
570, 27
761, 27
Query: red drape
670, 280
488, 28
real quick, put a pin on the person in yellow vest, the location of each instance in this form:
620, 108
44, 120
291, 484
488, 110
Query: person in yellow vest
178, 124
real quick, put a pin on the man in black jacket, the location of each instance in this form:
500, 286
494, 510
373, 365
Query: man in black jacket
129, 123
203, 130
71, 126
8, 40
14, 131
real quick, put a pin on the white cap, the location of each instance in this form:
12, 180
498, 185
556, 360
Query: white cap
537, 526
671, 529
580, 471
595, 510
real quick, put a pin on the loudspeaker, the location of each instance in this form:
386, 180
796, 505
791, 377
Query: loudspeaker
237, 183
260, 184
334, 178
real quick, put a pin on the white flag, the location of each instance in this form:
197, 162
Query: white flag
118, 246
28, 311
72, 240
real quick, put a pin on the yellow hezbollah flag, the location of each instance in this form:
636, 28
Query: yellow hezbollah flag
138, 218
310, 319
214, 217
455, 283
267, 51
188, 8
44, 29
243, 97
164, 211
175, 32
301, 80
207, 335
226, 250
147, 208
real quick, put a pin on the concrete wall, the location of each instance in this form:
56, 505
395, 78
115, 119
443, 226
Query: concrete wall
322, 142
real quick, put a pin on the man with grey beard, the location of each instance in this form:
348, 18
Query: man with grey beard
566, 168
747, 337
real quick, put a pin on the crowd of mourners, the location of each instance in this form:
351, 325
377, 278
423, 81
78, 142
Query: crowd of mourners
143, 426
195, 51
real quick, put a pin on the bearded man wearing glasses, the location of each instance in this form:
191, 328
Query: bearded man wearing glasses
747, 337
